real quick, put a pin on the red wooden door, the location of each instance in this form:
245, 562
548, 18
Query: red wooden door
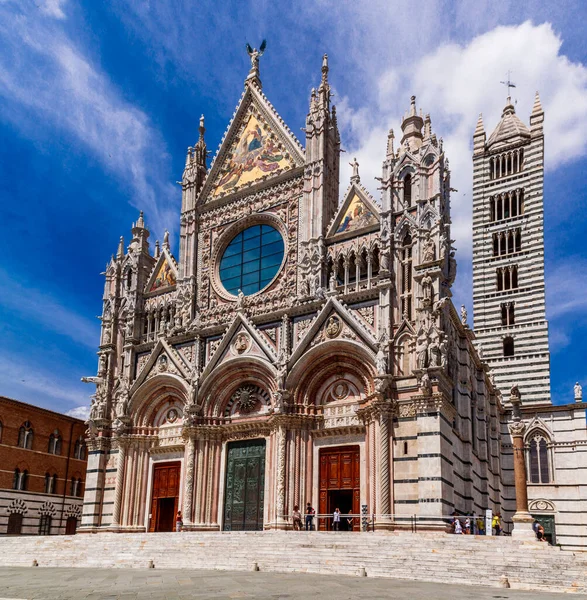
165, 496
339, 470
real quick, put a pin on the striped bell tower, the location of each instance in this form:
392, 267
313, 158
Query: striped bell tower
508, 253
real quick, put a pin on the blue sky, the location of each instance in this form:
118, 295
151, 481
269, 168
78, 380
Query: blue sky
99, 101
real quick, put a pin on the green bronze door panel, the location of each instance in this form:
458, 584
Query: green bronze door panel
245, 483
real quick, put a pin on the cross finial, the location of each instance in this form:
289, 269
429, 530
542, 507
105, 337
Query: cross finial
509, 84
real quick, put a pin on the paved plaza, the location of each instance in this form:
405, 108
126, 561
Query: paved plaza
169, 584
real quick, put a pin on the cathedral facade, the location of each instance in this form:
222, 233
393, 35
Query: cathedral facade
303, 346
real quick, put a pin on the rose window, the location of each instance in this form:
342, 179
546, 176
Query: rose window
251, 260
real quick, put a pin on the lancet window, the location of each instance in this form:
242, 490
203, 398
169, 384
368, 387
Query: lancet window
406, 276
507, 314
539, 458
508, 346
50, 483
407, 191
507, 205
507, 242
508, 163
20, 479
507, 278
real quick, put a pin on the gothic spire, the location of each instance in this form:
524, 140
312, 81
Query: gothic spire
120, 253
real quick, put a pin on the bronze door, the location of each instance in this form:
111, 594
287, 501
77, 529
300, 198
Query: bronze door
165, 497
245, 483
340, 483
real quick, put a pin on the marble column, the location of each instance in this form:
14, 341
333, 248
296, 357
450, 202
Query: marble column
189, 481
384, 505
522, 519
120, 463
281, 440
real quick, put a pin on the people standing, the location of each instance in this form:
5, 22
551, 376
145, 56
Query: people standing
297, 518
480, 526
458, 527
178, 521
310, 512
467, 526
336, 519
350, 520
496, 524
540, 533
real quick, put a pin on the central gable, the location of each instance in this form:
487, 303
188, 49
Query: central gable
257, 146
357, 213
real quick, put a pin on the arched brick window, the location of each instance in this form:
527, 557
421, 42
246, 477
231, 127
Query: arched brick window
25, 436
20, 480
79, 450
54, 443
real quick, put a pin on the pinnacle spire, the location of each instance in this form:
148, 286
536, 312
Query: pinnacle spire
479, 129
390, 138
537, 108
120, 252
141, 221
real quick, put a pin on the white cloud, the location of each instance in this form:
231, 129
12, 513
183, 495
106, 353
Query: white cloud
29, 383
80, 412
54, 8
47, 80
39, 307
454, 83
564, 285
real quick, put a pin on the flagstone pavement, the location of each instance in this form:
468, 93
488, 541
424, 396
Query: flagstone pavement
169, 584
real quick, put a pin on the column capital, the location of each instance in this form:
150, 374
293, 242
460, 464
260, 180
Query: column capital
517, 429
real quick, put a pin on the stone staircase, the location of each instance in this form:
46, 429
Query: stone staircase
469, 560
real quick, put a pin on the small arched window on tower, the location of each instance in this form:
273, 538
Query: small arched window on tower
539, 459
129, 279
508, 346
407, 191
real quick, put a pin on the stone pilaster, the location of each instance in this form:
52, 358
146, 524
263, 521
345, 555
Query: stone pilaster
522, 518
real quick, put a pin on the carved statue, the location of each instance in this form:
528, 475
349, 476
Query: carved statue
107, 337
428, 249
427, 290
425, 384
332, 282
305, 286
381, 360
240, 300
435, 354
102, 365
92, 430
463, 314
118, 426
443, 347
278, 401
480, 350
578, 391
422, 351
255, 55
355, 166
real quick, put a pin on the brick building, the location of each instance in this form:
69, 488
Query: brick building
42, 470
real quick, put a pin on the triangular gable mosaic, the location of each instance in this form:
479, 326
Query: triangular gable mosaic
255, 154
165, 277
257, 146
356, 213
164, 274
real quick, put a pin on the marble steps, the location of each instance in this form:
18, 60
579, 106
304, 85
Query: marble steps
431, 557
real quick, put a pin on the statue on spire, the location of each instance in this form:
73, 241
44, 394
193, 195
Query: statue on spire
255, 55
